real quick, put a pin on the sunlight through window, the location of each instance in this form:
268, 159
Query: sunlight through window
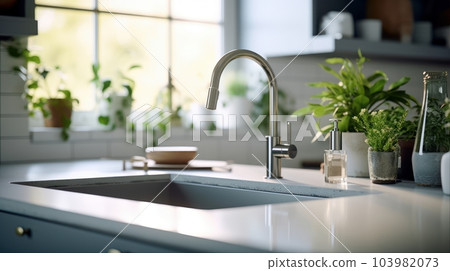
185, 36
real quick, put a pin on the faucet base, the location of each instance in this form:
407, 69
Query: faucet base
273, 163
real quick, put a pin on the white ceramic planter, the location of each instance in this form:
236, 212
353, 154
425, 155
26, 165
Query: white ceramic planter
357, 150
445, 173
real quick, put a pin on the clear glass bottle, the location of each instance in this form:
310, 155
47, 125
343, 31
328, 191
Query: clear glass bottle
335, 159
432, 139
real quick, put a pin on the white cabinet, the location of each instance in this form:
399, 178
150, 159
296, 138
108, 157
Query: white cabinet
26, 234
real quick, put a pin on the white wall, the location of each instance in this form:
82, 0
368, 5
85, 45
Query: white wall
269, 27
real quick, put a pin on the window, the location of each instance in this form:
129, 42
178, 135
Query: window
183, 35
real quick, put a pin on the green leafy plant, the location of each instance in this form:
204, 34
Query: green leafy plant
446, 109
39, 92
409, 128
436, 137
106, 92
237, 87
353, 92
382, 127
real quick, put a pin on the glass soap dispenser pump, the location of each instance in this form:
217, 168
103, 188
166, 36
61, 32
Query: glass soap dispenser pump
335, 159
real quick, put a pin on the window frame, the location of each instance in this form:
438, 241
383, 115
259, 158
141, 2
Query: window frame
228, 24
229, 9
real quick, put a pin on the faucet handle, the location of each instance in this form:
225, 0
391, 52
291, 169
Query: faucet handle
291, 149
289, 133
285, 150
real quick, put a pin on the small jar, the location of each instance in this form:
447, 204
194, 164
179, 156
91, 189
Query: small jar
335, 159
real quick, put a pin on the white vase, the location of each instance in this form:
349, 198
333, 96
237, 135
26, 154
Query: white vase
357, 150
445, 173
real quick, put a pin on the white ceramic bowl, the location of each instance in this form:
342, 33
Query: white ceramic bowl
171, 154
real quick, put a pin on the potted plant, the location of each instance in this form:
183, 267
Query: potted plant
406, 142
44, 90
382, 129
432, 142
346, 98
114, 105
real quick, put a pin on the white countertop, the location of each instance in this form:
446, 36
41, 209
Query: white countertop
357, 217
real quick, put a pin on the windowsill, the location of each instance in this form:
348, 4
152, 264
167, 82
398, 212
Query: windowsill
53, 134
85, 133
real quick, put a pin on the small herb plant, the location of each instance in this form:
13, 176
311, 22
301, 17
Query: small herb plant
382, 128
353, 92
106, 92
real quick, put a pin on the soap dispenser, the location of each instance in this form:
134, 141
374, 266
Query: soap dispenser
335, 159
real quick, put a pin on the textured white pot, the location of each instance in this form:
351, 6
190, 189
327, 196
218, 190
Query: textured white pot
357, 150
445, 173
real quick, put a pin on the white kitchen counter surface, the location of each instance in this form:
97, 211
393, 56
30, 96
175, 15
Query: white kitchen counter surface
357, 217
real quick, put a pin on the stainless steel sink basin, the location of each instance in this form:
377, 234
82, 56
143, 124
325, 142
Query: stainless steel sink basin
163, 191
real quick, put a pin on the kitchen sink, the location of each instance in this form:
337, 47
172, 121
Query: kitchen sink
165, 191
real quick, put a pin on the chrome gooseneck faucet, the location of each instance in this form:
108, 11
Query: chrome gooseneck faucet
275, 150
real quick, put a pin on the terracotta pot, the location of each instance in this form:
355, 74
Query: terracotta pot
60, 112
396, 17
405, 171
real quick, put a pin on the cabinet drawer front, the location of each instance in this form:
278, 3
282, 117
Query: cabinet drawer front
25, 234
43, 236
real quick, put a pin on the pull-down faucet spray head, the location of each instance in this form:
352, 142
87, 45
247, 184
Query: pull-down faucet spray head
213, 97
